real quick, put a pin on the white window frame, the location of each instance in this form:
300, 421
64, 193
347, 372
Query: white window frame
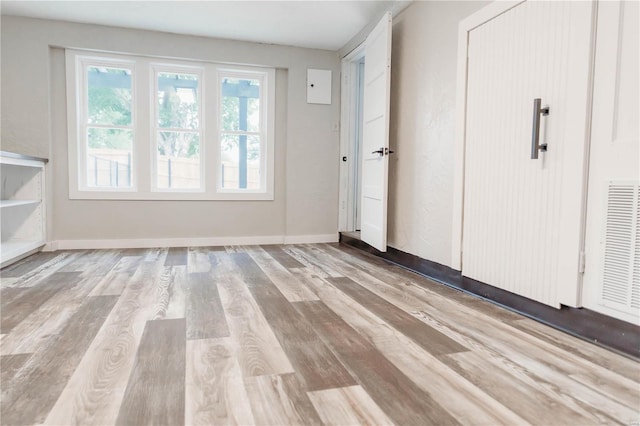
155, 69
78, 111
264, 75
145, 127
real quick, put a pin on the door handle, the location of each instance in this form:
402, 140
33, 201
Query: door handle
379, 151
538, 111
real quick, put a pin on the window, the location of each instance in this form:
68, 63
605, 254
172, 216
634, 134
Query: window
141, 128
178, 130
241, 131
106, 130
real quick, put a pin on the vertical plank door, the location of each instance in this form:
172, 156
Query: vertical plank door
523, 216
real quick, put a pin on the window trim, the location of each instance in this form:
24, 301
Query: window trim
81, 126
170, 67
266, 132
143, 121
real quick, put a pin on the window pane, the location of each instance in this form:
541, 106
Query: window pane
240, 104
109, 158
178, 164
240, 162
109, 96
178, 101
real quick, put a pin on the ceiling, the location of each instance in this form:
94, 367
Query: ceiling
311, 23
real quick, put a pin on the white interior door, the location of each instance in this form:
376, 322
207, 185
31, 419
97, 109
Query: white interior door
523, 217
612, 242
375, 143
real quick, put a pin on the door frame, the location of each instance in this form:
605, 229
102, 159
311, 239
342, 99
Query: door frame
349, 139
465, 26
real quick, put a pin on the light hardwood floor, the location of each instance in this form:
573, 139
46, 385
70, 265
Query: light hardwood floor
275, 335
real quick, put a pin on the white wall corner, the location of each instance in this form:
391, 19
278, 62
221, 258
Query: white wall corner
51, 246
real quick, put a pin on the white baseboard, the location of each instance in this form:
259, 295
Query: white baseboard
188, 242
311, 239
51, 246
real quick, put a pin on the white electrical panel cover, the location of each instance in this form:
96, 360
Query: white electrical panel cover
319, 86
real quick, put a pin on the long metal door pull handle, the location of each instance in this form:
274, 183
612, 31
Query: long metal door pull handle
538, 111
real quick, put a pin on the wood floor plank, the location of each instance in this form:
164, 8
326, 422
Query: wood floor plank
280, 400
309, 356
114, 282
51, 317
318, 268
428, 338
455, 314
156, 388
282, 257
27, 265
16, 307
172, 293
550, 376
202, 259
348, 406
215, 392
524, 347
10, 364
258, 350
205, 315
401, 277
399, 292
625, 367
269, 366
93, 263
36, 387
94, 393
438, 306
376, 374
154, 254
45, 323
133, 252
177, 256
43, 271
535, 406
286, 282
469, 406
612, 390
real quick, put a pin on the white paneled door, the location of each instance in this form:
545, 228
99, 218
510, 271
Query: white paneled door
523, 206
375, 143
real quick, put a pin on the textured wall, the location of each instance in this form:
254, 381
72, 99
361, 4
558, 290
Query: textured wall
423, 91
34, 122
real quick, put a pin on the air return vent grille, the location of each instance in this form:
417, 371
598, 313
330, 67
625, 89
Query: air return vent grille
621, 278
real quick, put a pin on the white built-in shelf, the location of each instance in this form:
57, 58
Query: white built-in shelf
15, 203
23, 228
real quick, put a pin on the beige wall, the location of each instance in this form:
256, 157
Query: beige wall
423, 92
34, 122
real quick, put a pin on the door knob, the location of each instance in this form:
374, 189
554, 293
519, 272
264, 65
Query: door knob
379, 151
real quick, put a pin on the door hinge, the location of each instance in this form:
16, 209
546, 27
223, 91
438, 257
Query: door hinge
582, 263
